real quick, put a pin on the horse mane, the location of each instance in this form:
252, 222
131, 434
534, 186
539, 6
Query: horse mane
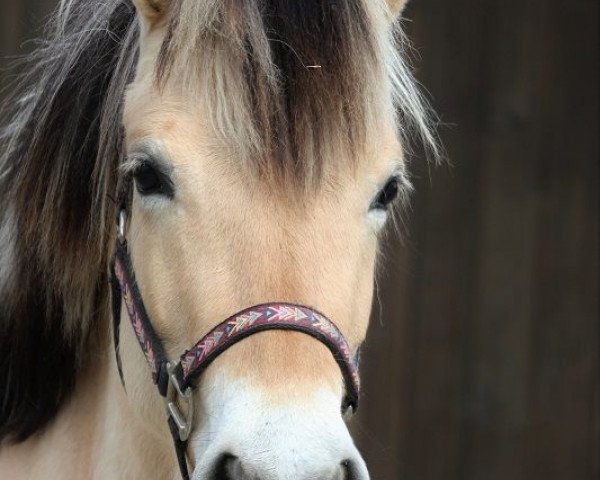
284, 80
60, 151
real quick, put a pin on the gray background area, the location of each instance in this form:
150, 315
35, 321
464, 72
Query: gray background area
483, 364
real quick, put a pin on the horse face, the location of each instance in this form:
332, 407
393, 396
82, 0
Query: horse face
209, 236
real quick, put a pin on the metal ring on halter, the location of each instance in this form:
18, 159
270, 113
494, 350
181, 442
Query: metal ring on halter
184, 425
122, 225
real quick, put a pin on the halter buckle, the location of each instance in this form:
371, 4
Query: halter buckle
174, 392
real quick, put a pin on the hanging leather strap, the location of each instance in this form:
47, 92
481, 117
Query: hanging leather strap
125, 288
180, 449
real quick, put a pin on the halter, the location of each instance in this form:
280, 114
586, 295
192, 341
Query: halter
176, 381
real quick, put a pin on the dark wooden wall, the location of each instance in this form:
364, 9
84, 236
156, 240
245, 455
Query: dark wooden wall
484, 362
486, 365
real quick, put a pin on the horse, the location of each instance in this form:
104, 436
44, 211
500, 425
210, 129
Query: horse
165, 165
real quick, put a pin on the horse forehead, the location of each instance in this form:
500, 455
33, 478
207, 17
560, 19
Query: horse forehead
187, 131
149, 113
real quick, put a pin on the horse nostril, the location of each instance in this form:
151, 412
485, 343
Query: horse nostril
350, 471
227, 468
346, 470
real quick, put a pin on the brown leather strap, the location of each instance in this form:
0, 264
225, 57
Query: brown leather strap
272, 316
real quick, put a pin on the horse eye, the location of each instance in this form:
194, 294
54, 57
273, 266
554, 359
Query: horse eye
387, 194
147, 180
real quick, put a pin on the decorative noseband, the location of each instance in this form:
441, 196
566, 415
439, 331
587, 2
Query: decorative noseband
176, 381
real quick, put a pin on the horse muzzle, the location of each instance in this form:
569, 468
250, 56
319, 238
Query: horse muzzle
252, 438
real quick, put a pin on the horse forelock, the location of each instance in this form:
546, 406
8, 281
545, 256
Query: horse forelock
293, 86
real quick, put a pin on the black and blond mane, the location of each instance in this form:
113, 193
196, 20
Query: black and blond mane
60, 149
287, 83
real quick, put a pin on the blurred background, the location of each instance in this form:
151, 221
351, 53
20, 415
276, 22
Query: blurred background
482, 360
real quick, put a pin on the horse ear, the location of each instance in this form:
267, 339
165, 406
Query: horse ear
396, 6
152, 11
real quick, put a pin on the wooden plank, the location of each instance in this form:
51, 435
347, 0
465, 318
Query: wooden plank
386, 369
445, 225
564, 367
496, 393
10, 33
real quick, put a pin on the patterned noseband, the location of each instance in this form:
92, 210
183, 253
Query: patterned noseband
176, 381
